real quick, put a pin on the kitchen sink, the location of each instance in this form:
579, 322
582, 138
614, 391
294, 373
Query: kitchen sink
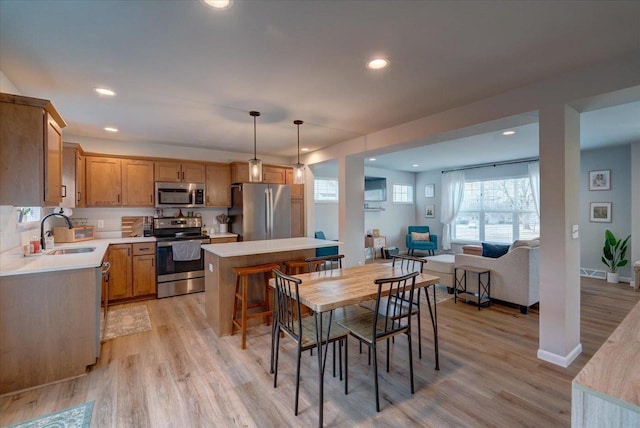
71, 251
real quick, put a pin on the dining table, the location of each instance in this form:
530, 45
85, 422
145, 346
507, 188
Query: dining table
327, 290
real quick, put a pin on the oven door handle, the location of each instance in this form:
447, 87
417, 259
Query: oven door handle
170, 243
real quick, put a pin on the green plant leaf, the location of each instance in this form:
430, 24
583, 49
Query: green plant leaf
622, 263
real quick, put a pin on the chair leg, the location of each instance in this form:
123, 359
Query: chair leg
275, 363
244, 311
299, 357
410, 361
346, 366
334, 360
420, 326
388, 353
375, 374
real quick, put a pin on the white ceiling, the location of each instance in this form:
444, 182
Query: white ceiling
186, 74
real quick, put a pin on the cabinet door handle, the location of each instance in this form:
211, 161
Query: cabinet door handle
183, 175
128, 252
64, 187
118, 197
178, 174
153, 262
143, 249
79, 196
151, 198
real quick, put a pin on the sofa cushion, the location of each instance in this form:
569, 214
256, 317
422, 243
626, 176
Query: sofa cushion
494, 250
525, 243
417, 236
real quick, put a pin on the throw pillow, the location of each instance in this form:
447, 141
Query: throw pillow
417, 236
494, 250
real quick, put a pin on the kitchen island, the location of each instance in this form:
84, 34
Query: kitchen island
220, 279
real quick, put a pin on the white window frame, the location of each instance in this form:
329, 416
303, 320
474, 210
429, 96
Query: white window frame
315, 190
516, 212
410, 192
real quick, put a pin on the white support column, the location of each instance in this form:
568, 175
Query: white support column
351, 210
634, 255
559, 252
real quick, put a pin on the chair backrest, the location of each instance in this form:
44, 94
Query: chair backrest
418, 229
410, 263
319, 235
317, 264
386, 320
287, 304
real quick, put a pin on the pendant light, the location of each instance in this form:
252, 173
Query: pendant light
255, 164
298, 168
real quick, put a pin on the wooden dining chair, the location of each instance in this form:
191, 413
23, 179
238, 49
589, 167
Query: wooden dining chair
416, 264
382, 323
300, 328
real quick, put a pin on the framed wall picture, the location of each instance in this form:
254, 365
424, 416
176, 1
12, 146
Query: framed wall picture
600, 180
430, 211
429, 190
600, 212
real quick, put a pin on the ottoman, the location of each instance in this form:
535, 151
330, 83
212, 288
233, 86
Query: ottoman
442, 266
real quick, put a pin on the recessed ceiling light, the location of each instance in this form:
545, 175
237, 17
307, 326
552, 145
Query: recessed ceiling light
372, 159
304, 149
111, 129
105, 91
508, 132
377, 63
415, 165
218, 4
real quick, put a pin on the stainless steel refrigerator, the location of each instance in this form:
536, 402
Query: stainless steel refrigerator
261, 211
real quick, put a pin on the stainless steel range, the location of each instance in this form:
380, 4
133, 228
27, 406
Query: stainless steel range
180, 260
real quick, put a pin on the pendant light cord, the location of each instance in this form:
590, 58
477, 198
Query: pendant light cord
298, 143
255, 152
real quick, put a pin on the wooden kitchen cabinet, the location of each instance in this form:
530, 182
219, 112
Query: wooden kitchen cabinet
270, 174
120, 275
218, 185
81, 194
73, 165
30, 152
180, 172
133, 271
273, 174
137, 183
103, 181
297, 218
297, 190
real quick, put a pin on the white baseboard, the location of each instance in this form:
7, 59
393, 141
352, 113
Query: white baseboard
560, 360
600, 274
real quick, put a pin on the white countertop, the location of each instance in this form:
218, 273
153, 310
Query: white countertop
223, 235
246, 248
12, 262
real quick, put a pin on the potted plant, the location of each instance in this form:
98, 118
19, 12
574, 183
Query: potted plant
614, 254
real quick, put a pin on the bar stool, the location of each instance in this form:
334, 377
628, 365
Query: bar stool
241, 297
295, 267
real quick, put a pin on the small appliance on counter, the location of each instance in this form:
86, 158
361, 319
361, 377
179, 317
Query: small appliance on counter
75, 234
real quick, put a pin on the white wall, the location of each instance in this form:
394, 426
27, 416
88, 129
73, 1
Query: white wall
618, 160
635, 203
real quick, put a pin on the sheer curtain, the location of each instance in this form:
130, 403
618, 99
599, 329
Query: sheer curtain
452, 195
534, 179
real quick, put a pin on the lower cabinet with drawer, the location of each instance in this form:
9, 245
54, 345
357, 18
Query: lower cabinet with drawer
133, 271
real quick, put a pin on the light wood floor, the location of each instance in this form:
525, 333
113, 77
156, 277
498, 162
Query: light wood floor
181, 375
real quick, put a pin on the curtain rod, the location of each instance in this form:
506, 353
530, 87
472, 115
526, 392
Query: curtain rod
494, 164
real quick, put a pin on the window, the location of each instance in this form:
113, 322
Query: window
27, 214
497, 210
402, 194
325, 190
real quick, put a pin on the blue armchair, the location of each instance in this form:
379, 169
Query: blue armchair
429, 246
325, 251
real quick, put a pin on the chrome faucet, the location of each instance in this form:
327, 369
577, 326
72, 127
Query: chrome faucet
42, 240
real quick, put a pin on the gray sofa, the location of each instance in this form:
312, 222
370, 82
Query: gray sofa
515, 276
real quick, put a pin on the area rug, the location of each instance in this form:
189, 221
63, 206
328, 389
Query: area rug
73, 417
441, 294
124, 321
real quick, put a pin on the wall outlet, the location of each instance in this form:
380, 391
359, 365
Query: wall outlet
100, 224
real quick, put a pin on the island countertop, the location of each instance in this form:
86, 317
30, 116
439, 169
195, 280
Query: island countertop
247, 248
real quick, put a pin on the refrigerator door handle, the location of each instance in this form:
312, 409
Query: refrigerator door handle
270, 210
267, 213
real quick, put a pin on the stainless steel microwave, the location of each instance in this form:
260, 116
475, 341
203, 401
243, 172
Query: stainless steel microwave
183, 195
